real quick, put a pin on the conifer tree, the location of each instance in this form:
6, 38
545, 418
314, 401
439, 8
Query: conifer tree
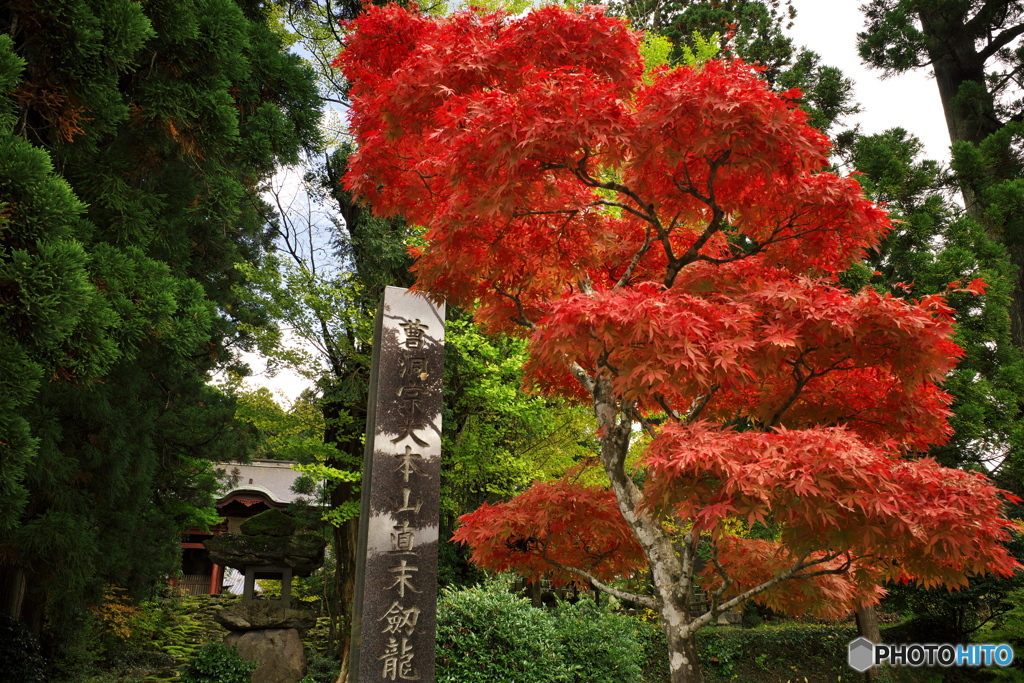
935, 242
975, 51
135, 138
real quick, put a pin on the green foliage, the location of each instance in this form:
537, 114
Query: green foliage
124, 628
178, 631
598, 646
788, 651
933, 244
320, 669
454, 568
976, 55
297, 433
487, 634
218, 663
488, 421
1009, 629
21, 659
753, 30
292, 433
128, 192
272, 522
314, 304
655, 51
497, 438
703, 49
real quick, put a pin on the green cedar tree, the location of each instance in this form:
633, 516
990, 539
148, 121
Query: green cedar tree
976, 53
934, 242
134, 142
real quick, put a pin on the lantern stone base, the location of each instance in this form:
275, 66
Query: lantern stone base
264, 614
278, 651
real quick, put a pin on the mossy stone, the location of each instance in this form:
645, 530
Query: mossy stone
261, 614
304, 553
272, 522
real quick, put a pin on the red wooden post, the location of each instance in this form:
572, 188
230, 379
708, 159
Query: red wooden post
216, 576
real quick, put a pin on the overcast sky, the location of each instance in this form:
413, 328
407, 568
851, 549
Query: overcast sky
828, 27
910, 101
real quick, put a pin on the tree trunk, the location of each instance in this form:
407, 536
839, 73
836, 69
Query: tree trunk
682, 654
956, 62
671, 579
344, 426
12, 590
345, 543
867, 626
970, 117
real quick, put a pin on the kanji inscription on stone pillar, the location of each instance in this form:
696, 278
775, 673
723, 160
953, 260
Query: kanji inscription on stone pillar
394, 619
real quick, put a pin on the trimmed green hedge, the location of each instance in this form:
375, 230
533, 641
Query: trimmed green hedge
486, 634
732, 653
598, 646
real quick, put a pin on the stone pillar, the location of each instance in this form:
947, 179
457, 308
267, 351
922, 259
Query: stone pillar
394, 619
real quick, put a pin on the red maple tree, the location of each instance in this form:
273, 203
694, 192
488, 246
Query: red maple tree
670, 242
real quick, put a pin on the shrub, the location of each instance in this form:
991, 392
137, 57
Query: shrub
20, 657
598, 646
727, 653
218, 663
320, 669
486, 634
1009, 629
272, 522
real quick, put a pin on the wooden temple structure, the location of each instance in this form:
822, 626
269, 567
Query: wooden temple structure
251, 489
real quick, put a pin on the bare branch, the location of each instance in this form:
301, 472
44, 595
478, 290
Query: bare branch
645, 600
522, 319
624, 207
726, 579
645, 424
635, 261
791, 573
1000, 41
522, 213
799, 382
666, 407
702, 403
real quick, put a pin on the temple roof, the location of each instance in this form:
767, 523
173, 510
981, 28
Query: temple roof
271, 478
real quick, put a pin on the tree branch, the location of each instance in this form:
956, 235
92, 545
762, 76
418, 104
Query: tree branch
582, 376
624, 207
726, 579
644, 423
1001, 41
666, 407
702, 403
635, 261
645, 600
522, 319
790, 573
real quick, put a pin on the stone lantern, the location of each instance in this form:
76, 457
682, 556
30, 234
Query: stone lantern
267, 631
